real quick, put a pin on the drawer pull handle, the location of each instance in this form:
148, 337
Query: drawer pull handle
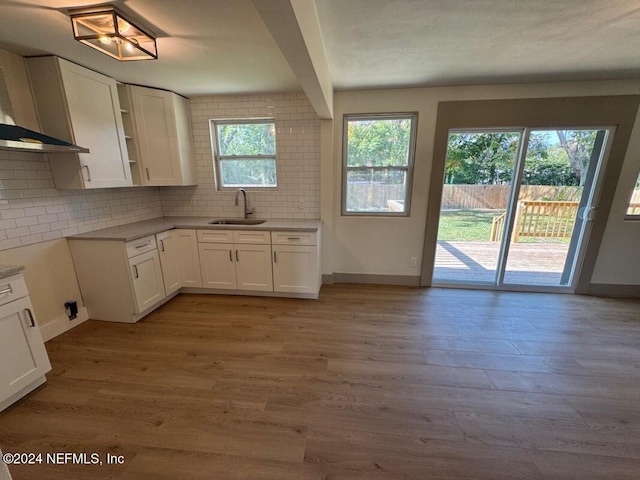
275, 257
88, 172
143, 245
135, 269
6, 290
230, 256
162, 245
148, 176
237, 258
32, 322
293, 238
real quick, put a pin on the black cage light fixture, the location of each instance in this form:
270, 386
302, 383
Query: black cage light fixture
110, 32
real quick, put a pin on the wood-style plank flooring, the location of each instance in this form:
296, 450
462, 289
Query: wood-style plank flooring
368, 382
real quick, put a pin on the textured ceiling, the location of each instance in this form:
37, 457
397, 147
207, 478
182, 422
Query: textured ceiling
379, 43
223, 46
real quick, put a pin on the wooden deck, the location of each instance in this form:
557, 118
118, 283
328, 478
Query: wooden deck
528, 264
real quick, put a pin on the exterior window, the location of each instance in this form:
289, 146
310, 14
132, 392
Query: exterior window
634, 204
378, 164
244, 153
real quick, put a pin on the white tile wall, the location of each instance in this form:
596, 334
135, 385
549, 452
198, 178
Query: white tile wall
298, 159
32, 210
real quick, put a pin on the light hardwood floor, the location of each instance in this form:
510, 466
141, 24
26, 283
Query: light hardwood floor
368, 382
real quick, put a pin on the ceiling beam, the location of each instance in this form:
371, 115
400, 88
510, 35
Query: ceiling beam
295, 27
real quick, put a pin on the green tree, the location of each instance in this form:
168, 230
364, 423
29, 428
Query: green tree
481, 158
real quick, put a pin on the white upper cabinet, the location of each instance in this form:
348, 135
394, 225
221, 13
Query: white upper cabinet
162, 133
81, 106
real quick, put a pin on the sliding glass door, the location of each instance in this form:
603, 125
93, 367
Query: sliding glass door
516, 205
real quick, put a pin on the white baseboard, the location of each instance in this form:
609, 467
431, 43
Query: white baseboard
61, 324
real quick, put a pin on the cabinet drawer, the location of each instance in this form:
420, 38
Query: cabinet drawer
251, 236
215, 236
293, 238
12, 288
141, 245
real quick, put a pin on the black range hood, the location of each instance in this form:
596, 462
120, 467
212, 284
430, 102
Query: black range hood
13, 137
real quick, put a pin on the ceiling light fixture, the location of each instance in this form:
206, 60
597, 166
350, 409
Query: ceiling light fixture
108, 31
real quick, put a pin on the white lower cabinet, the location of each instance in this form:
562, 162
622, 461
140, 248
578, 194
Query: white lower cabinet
241, 265
146, 276
187, 257
253, 268
294, 269
23, 358
296, 262
122, 282
216, 264
168, 251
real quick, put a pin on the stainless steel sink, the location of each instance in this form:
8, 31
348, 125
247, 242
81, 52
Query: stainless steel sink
236, 221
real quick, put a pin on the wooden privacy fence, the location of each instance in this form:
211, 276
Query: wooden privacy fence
496, 197
540, 219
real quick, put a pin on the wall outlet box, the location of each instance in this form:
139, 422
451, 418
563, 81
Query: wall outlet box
71, 308
301, 203
413, 261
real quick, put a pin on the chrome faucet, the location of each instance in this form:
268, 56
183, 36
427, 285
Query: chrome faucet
247, 211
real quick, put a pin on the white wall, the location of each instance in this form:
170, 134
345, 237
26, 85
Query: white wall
383, 245
298, 159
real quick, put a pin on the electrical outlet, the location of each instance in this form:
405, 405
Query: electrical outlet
413, 261
300, 203
193, 202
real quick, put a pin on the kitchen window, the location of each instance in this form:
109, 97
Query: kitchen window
378, 153
244, 153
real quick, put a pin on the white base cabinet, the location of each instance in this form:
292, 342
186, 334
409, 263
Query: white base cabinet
187, 257
147, 280
168, 250
235, 260
120, 282
295, 269
123, 282
296, 262
23, 358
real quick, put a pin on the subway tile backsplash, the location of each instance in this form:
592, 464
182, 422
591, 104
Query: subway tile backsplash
298, 159
32, 210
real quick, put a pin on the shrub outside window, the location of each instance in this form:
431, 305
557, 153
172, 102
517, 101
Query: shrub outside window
378, 153
244, 153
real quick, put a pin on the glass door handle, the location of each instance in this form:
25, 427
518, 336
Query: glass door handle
587, 213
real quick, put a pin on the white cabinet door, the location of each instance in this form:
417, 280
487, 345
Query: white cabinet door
217, 265
94, 110
146, 274
253, 267
168, 248
23, 358
295, 269
156, 135
188, 259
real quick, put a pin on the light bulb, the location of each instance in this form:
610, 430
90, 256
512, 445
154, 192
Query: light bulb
128, 46
104, 40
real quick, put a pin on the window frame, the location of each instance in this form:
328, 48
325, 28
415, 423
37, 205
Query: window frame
413, 116
215, 147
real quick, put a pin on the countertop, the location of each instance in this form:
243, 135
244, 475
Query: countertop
133, 231
8, 270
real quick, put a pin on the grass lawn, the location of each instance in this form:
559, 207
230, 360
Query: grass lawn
475, 226
466, 225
